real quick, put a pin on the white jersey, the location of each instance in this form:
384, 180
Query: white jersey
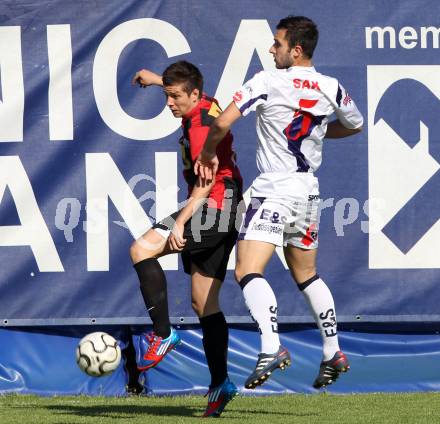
292, 107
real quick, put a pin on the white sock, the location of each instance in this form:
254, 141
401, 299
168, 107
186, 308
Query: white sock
321, 303
262, 304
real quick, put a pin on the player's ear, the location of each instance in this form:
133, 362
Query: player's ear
195, 94
297, 51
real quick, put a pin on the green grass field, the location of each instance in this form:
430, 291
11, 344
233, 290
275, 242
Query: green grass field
323, 408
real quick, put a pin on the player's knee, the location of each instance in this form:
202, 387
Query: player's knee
303, 274
203, 307
241, 270
198, 307
134, 251
239, 273
138, 253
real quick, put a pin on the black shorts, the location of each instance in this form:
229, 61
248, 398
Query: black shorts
210, 237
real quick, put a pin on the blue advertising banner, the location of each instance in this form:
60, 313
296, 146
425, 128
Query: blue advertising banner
88, 162
42, 361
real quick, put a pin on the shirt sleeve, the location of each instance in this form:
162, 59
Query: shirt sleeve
346, 109
252, 94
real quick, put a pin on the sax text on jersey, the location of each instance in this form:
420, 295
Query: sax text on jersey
407, 37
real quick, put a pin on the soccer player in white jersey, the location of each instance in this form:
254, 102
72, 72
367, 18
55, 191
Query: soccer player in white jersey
293, 104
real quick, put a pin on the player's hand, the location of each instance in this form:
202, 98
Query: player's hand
176, 241
144, 78
206, 166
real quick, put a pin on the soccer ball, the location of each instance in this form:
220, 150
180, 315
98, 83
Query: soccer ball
98, 354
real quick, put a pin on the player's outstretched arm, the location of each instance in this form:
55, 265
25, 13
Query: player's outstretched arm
144, 78
335, 129
206, 164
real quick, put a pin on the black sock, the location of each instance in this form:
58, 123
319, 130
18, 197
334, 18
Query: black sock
154, 291
129, 354
215, 343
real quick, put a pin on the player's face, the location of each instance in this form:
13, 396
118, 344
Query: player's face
179, 101
283, 55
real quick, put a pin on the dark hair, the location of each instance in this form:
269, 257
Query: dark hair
300, 31
185, 73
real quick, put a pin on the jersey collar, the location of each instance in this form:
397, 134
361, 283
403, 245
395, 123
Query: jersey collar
302, 68
195, 109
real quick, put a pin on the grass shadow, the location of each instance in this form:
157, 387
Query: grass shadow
124, 411
131, 411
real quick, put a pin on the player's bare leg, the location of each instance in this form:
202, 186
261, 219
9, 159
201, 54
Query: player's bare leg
150, 245
301, 262
144, 253
204, 293
302, 265
252, 258
205, 302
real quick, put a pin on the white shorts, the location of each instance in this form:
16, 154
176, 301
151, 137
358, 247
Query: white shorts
282, 222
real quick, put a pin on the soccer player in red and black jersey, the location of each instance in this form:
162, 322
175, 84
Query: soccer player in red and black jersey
203, 231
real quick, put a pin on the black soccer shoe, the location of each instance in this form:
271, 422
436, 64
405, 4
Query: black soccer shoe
134, 389
329, 370
266, 365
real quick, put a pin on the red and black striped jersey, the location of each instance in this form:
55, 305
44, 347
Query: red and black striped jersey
196, 126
